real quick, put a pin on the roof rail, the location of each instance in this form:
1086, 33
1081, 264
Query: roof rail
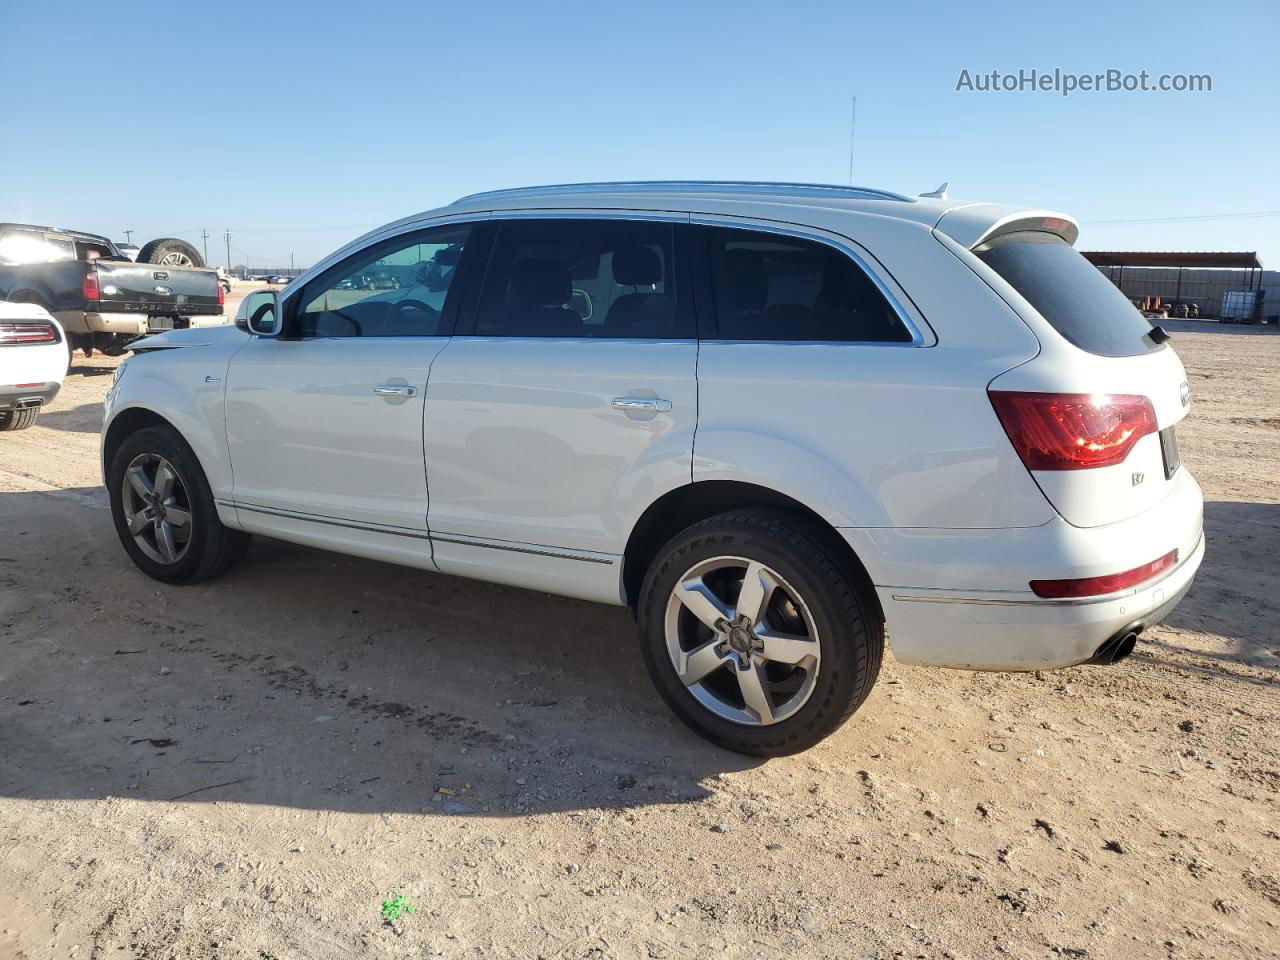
693, 186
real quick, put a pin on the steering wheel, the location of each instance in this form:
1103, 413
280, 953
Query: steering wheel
418, 306
414, 313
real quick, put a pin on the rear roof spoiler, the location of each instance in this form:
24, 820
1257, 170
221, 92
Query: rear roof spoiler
975, 223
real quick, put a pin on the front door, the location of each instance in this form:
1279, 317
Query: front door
567, 400
324, 423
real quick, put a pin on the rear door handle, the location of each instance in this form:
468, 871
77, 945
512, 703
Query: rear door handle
395, 390
641, 404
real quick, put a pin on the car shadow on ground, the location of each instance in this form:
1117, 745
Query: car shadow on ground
83, 366
86, 418
1233, 597
318, 681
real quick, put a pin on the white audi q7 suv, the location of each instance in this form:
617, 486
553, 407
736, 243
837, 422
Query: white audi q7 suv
777, 420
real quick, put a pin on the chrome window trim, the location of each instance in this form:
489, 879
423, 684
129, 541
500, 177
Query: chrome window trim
844, 245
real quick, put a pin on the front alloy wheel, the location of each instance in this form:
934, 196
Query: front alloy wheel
164, 512
157, 510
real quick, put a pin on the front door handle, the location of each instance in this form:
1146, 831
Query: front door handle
395, 390
641, 404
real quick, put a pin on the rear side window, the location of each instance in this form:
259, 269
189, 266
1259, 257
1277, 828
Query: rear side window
1069, 292
770, 287
581, 278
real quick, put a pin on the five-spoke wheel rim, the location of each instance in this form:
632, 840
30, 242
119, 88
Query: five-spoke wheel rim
175, 258
742, 641
156, 508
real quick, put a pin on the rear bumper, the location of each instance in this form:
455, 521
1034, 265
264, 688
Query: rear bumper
15, 398
84, 321
130, 324
971, 607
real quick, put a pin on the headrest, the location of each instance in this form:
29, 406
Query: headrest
537, 282
636, 266
746, 279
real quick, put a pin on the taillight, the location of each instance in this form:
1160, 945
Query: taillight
222, 294
16, 334
1108, 583
89, 287
1073, 431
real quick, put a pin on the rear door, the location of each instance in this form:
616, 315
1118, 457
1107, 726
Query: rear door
1096, 346
566, 404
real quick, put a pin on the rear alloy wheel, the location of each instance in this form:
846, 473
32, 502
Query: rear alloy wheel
742, 641
757, 633
164, 512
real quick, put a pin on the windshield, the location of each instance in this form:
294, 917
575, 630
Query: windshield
1069, 292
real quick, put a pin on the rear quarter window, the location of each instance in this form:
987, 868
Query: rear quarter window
1069, 292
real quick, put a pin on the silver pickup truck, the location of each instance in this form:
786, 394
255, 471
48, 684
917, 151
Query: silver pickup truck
102, 299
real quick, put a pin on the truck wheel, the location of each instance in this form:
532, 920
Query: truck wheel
18, 419
170, 252
757, 634
164, 511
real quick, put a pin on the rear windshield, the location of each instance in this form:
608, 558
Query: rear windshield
1069, 292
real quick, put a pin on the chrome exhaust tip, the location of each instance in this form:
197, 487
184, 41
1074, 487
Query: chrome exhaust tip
1116, 648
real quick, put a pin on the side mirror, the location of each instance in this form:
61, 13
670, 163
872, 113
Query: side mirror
259, 314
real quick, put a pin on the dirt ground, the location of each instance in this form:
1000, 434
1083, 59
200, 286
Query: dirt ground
250, 767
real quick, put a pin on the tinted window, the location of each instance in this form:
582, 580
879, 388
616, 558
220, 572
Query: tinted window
580, 278
769, 287
1069, 292
395, 289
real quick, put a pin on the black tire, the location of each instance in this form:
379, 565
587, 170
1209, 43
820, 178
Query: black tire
839, 598
18, 419
157, 250
212, 548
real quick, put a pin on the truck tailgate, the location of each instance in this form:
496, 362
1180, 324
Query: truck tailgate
157, 290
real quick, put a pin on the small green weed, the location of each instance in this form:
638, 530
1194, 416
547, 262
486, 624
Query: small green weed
396, 907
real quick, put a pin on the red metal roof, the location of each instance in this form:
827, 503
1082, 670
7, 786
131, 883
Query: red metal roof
1108, 258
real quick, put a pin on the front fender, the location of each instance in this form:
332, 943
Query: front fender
182, 396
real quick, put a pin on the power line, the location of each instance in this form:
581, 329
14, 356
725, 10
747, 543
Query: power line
1252, 215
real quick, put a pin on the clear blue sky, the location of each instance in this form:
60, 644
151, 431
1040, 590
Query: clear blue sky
299, 125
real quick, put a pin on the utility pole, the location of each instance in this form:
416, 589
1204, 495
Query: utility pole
853, 122
128, 236
204, 235
226, 235
290, 261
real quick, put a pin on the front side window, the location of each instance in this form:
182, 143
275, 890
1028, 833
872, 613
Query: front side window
398, 288
580, 278
770, 287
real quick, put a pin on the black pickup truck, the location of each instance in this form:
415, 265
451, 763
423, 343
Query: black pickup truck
102, 299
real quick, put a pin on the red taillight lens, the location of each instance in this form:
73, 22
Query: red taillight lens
13, 334
1073, 431
222, 295
89, 288
1109, 583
